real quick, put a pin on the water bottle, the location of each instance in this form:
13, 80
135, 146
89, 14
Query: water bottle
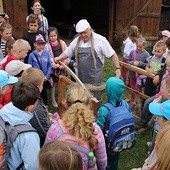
92, 160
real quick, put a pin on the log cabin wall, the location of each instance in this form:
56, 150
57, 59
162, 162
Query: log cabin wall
109, 17
17, 11
143, 13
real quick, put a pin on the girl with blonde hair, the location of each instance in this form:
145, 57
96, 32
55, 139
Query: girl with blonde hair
77, 126
162, 149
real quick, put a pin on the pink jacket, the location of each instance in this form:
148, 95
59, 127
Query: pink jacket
100, 151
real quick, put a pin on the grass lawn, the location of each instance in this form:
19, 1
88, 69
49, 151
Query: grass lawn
135, 157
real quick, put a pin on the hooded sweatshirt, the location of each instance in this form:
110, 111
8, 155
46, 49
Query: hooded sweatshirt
27, 145
115, 88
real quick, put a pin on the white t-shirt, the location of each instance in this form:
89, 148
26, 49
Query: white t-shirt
101, 46
128, 47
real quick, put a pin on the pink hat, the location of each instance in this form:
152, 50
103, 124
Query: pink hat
166, 33
39, 39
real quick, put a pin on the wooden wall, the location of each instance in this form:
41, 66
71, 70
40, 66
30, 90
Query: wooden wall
17, 11
143, 13
112, 18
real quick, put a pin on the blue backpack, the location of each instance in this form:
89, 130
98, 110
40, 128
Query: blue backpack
120, 132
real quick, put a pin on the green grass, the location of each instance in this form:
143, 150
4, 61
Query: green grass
135, 157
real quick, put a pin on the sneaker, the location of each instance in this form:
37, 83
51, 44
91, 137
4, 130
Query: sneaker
149, 144
54, 103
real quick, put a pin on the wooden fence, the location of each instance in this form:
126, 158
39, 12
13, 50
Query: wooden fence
138, 70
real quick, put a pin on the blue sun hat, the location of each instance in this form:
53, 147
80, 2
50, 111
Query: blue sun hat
6, 79
160, 109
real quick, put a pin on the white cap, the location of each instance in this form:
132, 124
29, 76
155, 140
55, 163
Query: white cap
82, 25
14, 67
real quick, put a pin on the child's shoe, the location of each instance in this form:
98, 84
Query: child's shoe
54, 103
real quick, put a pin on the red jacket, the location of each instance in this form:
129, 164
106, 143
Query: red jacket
5, 99
10, 58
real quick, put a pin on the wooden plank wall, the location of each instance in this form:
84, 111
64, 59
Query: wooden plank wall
143, 13
17, 11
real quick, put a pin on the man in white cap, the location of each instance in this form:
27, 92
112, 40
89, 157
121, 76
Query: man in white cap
90, 50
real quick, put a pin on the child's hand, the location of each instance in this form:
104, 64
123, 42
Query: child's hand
156, 80
149, 70
136, 63
45, 78
75, 64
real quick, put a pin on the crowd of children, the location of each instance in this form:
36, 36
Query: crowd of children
30, 66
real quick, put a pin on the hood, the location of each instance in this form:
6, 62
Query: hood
115, 88
14, 115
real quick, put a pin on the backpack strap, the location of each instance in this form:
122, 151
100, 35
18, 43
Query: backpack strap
61, 45
38, 61
21, 128
11, 133
110, 106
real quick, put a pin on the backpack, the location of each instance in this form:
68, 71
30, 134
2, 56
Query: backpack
83, 150
8, 134
119, 132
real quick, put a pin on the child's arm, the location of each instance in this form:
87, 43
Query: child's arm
30, 59
130, 58
142, 63
100, 151
49, 67
102, 116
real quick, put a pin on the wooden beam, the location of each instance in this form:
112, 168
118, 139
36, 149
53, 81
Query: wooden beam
136, 69
141, 95
1, 6
150, 14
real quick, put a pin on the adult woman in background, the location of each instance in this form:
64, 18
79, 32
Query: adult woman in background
37, 10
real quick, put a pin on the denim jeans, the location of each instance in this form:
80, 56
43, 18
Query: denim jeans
146, 114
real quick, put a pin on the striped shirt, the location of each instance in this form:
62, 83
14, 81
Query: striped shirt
3, 48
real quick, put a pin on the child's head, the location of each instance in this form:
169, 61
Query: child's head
160, 49
16, 68
3, 18
141, 44
59, 155
165, 35
6, 32
33, 23
162, 148
9, 46
79, 114
24, 96
5, 80
161, 110
35, 76
115, 88
133, 31
53, 34
165, 88
39, 43
21, 48
168, 62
